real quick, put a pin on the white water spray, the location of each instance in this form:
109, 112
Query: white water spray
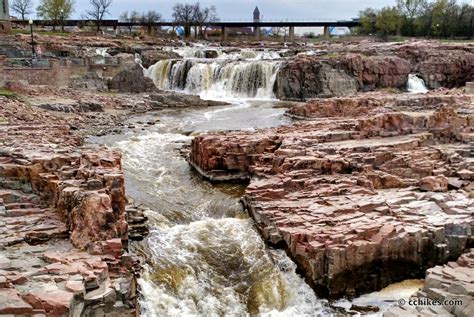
416, 84
217, 80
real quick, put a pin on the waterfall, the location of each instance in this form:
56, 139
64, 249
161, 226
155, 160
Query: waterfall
416, 84
102, 51
215, 79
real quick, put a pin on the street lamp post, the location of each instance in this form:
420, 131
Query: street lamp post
62, 20
33, 55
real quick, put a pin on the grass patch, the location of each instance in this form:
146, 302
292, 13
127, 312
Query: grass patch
4, 92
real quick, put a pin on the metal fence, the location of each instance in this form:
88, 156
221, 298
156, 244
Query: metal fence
27, 63
104, 61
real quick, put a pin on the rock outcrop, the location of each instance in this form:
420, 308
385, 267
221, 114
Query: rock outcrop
150, 57
377, 71
448, 291
305, 77
357, 203
131, 80
439, 65
375, 102
63, 228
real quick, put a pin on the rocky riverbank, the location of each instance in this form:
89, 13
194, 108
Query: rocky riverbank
359, 199
368, 190
63, 220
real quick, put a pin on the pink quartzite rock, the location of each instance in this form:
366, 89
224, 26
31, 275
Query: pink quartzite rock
12, 304
434, 183
343, 196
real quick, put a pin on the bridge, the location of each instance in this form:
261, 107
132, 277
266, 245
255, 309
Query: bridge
223, 25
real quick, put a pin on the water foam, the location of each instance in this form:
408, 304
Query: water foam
416, 84
246, 74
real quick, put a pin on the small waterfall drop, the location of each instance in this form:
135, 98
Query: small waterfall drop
102, 51
416, 84
228, 79
245, 74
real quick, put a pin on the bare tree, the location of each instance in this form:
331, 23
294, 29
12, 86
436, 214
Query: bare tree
202, 16
22, 7
149, 19
183, 14
99, 8
132, 17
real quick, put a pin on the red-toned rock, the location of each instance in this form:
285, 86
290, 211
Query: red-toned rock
377, 71
452, 282
374, 102
12, 304
342, 196
54, 303
434, 183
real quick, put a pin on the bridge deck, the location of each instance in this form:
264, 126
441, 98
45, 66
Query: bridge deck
116, 23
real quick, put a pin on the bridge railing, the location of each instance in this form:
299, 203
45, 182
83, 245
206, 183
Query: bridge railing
99, 60
26, 63
168, 22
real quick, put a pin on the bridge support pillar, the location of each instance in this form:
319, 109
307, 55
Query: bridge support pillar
291, 36
224, 33
326, 33
257, 33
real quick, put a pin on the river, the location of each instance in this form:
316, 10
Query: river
205, 256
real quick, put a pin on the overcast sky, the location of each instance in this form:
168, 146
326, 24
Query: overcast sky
242, 9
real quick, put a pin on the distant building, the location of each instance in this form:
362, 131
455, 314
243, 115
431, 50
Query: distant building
256, 15
256, 18
4, 16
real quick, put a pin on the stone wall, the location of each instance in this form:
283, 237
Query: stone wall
55, 75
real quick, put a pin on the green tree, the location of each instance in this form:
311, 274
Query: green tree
438, 23
388, 21
410, 10
55, 10
367, 21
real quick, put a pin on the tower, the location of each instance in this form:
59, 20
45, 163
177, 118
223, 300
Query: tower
256, 19
256, 15
4, 16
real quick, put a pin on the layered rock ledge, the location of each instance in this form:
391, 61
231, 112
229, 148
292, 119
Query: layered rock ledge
63, 222
357, 203
448, 291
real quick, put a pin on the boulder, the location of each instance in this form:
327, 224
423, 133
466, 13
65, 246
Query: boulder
150, 57
307, 77
12, 304
131, 80
434, 183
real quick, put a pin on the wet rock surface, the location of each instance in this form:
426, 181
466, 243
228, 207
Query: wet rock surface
358, 203
131, 80
150, 57
448, 291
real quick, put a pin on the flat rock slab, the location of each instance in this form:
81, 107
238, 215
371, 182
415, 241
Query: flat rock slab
358, 203
12, 304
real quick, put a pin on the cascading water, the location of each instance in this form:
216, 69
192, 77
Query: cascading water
102, 51
416, 84
219, 78
205, 256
